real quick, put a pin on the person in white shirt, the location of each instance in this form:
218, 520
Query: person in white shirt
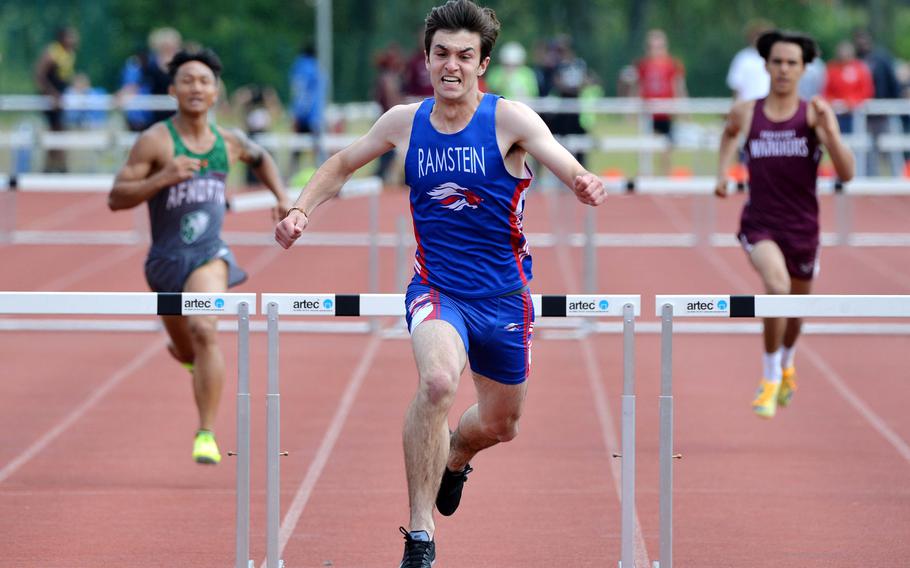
747, 77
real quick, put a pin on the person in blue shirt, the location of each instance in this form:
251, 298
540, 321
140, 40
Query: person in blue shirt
146, 73
307, 98
81, 93
468, 302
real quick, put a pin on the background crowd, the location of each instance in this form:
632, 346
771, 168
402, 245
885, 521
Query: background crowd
859, 69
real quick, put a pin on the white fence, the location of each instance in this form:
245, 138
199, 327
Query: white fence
888, 140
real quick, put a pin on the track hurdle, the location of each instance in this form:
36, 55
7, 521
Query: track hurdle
169, 304
725, 306
354, 305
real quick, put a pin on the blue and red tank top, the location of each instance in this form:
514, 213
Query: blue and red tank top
783, 162
466, 207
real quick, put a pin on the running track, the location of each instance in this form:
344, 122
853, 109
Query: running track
96, 427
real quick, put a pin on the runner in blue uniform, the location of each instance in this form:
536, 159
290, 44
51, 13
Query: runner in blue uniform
179, 167
468, 301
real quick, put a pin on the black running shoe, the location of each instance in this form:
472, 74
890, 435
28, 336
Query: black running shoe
449, 495
417, 553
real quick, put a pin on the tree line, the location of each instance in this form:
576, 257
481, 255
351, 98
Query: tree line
258, 39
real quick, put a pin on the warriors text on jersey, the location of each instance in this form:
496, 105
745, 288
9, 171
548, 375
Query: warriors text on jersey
467, 208
783, 162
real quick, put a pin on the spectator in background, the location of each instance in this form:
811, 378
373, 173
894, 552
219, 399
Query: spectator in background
885, 86
146, 74
569, 78
812, 83
660, 76
848, 86
747, 77
417, 85
260, 107
53, 74
388, 92
627, 82
91, 102
512, 78
307, 100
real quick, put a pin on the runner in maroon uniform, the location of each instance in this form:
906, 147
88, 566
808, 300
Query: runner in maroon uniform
779, 224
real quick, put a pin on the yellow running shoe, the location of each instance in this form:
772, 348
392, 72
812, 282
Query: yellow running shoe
765, 403
787, 387
205, 449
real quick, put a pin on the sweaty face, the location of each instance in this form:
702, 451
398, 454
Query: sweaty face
785, 65
195, 87
454, 63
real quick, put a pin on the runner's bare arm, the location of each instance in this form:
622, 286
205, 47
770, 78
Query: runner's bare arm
828, 133
262, 164
136, 183
525, 128
388, 132
739, 116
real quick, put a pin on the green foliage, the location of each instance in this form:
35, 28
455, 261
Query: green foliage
258, 39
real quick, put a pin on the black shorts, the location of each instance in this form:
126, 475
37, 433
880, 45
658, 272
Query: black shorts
663, 126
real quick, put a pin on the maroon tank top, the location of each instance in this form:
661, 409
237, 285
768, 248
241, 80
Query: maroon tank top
783, 169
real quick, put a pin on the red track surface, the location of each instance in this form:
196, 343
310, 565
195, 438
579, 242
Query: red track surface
96, 428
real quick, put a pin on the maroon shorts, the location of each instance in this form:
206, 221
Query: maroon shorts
800, 251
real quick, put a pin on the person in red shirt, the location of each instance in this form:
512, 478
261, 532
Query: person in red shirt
849, 84
660, 76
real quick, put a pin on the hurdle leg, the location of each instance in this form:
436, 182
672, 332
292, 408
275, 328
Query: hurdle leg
273, 432
666, 438
243, 438
627, 550
589, 271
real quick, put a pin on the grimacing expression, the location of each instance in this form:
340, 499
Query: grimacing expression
454, 62
195, 87
785, 65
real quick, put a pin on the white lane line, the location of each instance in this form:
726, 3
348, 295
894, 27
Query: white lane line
602, 406
77, 413
611, 443
839, 384
857, 403
88, 269
326, 446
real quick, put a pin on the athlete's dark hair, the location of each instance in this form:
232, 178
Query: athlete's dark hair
767, 40
205, 56
457, 15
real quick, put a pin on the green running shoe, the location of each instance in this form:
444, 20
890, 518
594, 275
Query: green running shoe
205, 449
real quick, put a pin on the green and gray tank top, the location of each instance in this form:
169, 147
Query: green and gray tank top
188, 216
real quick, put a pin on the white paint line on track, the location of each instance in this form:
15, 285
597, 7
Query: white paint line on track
881, 267
602, 406
326, 446
838, 383
99, 264
857, 403
61, 216
97, 394
611, 443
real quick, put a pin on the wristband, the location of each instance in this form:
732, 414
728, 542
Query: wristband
297, 209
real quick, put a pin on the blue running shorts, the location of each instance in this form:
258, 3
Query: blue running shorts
496, 332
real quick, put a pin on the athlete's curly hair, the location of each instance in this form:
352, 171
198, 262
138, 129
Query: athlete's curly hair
205, 56
457, 15
767, 40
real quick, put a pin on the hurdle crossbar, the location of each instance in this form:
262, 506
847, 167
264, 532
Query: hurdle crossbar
170, 304
354, 305
740, 306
